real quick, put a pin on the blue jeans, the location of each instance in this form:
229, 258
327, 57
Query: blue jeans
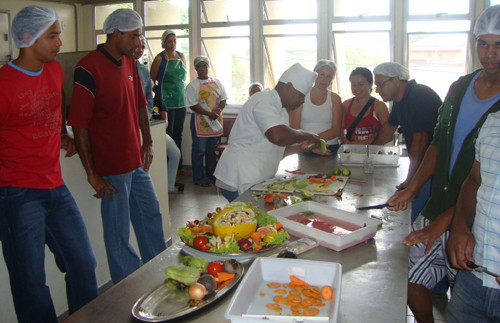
472, 302
175, 126
202, 149
174, 157
135, 202
229, 195
29, 219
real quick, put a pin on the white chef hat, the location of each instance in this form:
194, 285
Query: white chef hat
254, 84
200, 59
323, 62
391, 69
30, 23
301, 78
164, 36
488, 22
122, 19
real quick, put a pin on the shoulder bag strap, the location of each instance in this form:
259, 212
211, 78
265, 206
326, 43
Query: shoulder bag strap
353, 126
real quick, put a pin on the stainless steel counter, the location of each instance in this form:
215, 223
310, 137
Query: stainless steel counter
374, 280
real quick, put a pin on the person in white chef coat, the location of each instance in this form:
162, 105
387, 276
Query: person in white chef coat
261, 135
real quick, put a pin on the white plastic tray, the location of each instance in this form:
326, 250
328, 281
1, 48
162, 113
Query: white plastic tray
249, 306
380, 155
326, 239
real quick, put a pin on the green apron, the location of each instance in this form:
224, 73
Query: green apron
173, 84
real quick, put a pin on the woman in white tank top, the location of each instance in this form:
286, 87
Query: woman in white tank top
321, 112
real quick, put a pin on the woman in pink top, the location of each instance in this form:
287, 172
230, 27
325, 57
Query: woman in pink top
377, 114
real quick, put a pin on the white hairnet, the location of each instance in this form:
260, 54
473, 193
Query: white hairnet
301, 78
488, 22
254, 84
391, 69
164, 36
123, 20
323, 62
200, 59
30, 23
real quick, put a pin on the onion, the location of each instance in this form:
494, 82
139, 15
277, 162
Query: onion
197, 291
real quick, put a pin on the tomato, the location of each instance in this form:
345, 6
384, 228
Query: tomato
200, 242
269, 198
214, 268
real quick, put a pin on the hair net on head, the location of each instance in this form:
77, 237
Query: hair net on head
200, 59
323, 62
164, 36
391, 69
30, 23
123, 20
301, 78
488, 22
254, 84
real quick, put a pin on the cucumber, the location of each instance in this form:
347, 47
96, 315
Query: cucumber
322, 146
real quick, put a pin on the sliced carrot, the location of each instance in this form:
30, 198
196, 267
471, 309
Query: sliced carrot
223, 284
294, 281
222, 276
256, 237
201, 230
326, 292
316, 180
334, 293
333, 178
278, 226
257, 248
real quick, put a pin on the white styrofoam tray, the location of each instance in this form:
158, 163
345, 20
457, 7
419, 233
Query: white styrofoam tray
329, 240
249, 306
380, 154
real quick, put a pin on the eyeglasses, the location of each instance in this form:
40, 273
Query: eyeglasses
380, 85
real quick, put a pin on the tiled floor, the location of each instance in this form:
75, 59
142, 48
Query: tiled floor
196, 201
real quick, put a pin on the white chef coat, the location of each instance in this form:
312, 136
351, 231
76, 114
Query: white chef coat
250, 157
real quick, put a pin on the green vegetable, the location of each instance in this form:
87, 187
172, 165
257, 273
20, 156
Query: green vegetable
295, 199
174, 291
322, 146
301, 184
346, 172
195, 262
337, 171
231, 248
306, 194
185, 275
186, 237
263, 219
279, 238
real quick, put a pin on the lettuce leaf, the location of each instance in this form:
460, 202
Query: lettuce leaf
279, 238
231, 248
263, 219
186, 237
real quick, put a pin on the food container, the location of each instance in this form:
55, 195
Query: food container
355, 155
336, 242
248, 304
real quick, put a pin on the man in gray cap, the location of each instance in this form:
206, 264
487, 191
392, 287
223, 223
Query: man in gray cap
261, 137
36, 207
109, 114
448, 160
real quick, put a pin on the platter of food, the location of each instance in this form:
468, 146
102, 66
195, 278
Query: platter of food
237, 231
188, 288
307, 184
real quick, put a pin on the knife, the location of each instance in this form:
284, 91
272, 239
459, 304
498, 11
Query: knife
480, 269
378, 206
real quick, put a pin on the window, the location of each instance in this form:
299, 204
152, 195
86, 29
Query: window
290, 41
361, 38
225, 40
438, 42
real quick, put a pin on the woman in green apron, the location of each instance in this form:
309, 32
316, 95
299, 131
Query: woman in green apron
168, 73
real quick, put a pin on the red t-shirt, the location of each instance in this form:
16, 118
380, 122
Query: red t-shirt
368, 126
30, 126
107, 95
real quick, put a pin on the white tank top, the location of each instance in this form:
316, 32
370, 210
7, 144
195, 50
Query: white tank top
317, 118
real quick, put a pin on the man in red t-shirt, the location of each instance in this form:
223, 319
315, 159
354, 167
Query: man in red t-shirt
36, 208
108, 109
